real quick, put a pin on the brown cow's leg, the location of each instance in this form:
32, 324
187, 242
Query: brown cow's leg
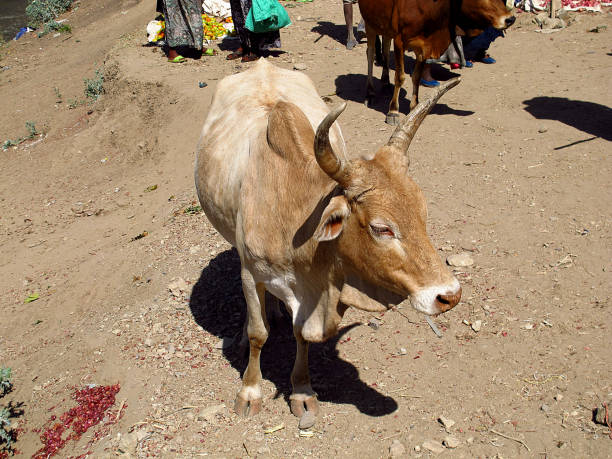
248, 400
303, 397
386, 47
370, 93
393, 113
416, 80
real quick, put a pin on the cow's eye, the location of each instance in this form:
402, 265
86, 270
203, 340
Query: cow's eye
380, 230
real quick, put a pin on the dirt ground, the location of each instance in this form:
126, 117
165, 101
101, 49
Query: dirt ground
515, 165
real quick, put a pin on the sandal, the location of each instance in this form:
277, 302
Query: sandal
249, 57
488, 60
235, 55
430, 83
177, 60
209, 52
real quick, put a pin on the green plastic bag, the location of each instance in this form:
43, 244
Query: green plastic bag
266, 16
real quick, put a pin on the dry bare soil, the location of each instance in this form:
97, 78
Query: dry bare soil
515, 165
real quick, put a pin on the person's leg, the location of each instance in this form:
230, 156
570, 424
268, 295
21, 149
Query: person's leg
476, 48
426, 78
238, 18
348, 18
172, 54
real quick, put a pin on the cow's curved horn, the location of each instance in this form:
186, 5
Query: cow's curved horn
332, 165
403, 134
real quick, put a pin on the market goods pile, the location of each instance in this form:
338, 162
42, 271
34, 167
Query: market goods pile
214, 28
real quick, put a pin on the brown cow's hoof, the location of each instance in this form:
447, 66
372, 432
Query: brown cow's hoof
392, 118
245, 408
300, 405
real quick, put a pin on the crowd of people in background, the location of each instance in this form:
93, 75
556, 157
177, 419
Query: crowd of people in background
184, 37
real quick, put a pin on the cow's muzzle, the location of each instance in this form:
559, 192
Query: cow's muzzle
448, 301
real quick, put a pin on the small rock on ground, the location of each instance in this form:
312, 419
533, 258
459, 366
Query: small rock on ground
460, 260
446, 422
396, 449
433, 446
451, 442
208, 414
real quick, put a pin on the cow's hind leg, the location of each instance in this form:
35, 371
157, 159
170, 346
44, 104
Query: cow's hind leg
417, 73
386, 47
248, 400
393, 114
370, 93
303, 397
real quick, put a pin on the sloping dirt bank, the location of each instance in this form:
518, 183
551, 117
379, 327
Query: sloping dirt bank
515, 166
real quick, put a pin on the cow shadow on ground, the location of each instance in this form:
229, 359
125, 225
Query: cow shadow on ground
218, 306
353, 87
594, 119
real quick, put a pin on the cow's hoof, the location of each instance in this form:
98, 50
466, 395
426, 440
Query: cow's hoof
392, 118
300, 405
368, 101
245, 408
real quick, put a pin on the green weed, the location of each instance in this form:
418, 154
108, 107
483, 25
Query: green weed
42, 11
7, 436
53, 26
58, 95
32, 132
74, 103
5, 381
94, 87
192, 210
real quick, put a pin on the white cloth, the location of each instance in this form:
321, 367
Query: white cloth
217, 8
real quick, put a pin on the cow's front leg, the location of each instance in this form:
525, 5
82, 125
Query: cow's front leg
248, 400
303, 397
393, 114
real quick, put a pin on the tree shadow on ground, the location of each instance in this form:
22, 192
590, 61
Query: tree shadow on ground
217, 305
589, 117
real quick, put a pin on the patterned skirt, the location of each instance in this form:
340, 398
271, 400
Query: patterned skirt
183, 23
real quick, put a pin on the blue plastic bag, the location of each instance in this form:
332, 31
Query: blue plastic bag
266, 16
22, 32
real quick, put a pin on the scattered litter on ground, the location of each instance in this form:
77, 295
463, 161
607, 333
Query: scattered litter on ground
276, 428
31, 297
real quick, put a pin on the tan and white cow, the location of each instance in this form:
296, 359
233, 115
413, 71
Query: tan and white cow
319, 228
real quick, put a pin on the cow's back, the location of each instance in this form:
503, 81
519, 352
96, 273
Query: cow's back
234, 135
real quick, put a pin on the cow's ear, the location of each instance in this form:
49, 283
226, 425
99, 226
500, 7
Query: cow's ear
333, 219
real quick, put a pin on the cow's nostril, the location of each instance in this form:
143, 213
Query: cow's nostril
449, 300
510, 21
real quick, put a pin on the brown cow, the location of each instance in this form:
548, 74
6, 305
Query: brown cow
427, 27
318, 227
